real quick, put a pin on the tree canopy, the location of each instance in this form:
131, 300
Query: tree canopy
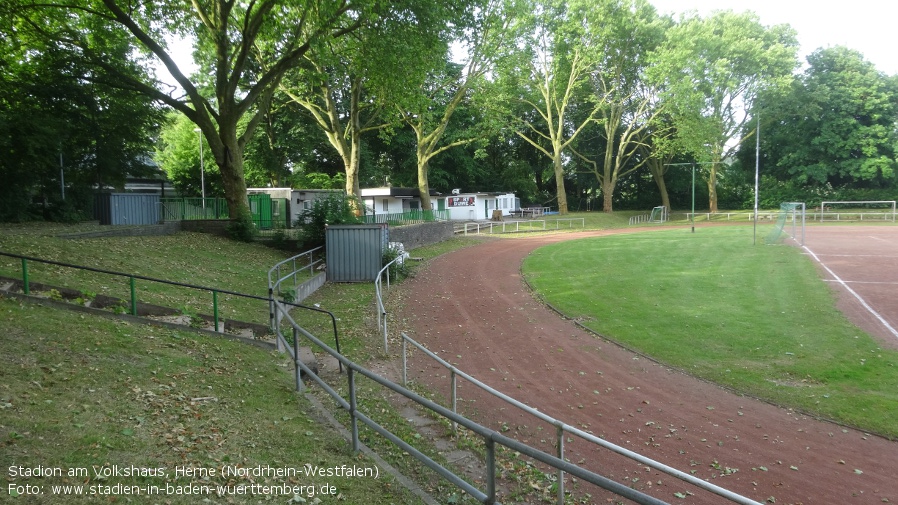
555, 100
714, 69
836, 124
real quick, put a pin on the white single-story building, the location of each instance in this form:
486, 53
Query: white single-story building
298, 200
476, 206
460, 206
392, 200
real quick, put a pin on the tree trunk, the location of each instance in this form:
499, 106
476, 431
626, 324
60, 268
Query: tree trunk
351, 166
657, 169
607, 195
712, 188
559, 183
229, 157
423, 184
662, 188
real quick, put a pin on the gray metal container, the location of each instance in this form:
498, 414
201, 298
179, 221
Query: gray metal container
355, 252
127, 208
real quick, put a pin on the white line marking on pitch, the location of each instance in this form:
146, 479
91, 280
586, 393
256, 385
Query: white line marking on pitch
863, 302
859, 255
860, 282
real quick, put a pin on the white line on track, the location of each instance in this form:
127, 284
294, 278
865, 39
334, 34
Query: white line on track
845, 285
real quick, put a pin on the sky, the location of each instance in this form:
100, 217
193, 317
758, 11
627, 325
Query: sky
867, 26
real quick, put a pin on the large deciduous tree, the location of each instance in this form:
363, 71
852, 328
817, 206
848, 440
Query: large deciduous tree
64, 128
349, 86
428, 112
550, 71
836, 124
246, 47
714, 69
625, 32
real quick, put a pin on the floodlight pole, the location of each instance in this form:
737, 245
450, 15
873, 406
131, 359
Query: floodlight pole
693, 164
693, 198
199, 134
757, 163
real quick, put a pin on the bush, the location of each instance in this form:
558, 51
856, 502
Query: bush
333, 209
242, 228
398, 270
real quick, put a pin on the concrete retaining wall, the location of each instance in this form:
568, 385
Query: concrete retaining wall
129, 231
417, 235
213, 226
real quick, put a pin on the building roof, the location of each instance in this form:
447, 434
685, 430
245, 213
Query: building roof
396, 192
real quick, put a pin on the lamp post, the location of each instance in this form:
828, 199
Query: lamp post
199, 134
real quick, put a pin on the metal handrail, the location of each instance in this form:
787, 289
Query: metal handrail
563, 427
378, 294
133, 277
515, 226
277, 266
275, 286
489, 436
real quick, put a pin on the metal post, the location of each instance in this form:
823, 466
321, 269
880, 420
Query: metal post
61, 177
404, 361
270, 308
133, 297
757, 164
215, 307
490, 470
26, 285
352, 407
199, 134
299, 386
560, 432
693, 198
454, 400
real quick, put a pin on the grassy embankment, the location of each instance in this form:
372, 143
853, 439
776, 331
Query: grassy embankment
113, 393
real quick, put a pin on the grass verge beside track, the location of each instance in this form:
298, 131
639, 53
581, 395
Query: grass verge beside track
751, 318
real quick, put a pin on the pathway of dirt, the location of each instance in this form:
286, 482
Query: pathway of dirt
473, 308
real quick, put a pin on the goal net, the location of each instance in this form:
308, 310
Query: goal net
659, 214
787, 223
863, 210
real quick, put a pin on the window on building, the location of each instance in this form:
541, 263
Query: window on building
385, 205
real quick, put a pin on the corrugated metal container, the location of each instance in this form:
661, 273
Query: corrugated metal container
127, 208
355, 252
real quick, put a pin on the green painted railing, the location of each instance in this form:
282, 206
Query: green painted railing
132, 286
180, 209
407, 217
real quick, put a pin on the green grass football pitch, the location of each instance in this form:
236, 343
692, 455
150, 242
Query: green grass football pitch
753, 318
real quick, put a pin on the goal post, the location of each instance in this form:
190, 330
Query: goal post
789, 211
659, 214
855, 210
